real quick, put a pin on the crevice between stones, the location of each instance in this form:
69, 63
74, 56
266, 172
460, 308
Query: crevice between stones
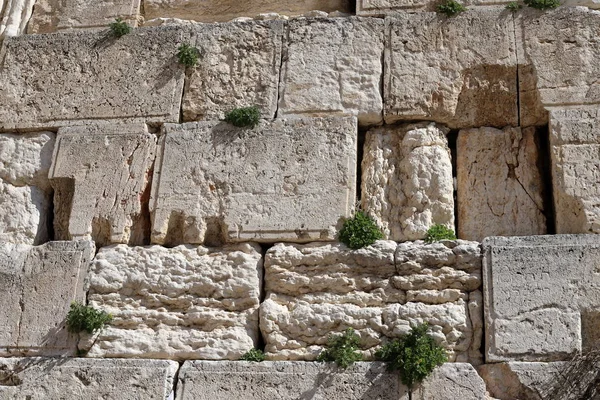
173, 393
452, 137
280, 86
360, 150
544, 165
518, 71
261, 343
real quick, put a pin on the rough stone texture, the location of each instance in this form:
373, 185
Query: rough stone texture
381, 8
239, 67
451, 381
56, 378
14, 15
333, 66
52, 15
25, 192
134, 77
318, 289
37, 285
461, 72
101, 177
500, 186
180, 303
285, 180
520, 380
407, 183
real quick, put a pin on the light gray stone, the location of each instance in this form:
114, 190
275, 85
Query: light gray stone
520, 380
78, 378
215, 182
37, 285
379, 8
14, 16
333, 66
451, 381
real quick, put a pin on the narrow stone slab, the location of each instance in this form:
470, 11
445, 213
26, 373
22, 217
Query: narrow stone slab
333, 66
285, 180
37, 286
79, 378
14, 16
380, 8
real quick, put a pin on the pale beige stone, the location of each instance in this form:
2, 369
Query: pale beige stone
451, 381
178, 303
500, 186
101, 176
407, 183
379, 8
14, 16
333, 66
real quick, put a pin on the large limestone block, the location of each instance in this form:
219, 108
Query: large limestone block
407, 183
333, 66
135, 77
460, 71
101, 176
79, 378
239, 67
25, 192
14, 16
379, 8
451, 381
500, 186
179, 303
285, 180
37, 285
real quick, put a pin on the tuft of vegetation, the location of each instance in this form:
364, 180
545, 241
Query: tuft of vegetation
513, 6
415, 355
360, 231
254, 355
542, 4
243, 117
343, 350
188, 55
439, 232
120, 28
450, 8
86, 318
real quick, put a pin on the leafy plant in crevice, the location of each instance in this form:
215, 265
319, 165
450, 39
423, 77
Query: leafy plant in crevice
439, 232
513, 6
120, 28
254, 355
450, 8
243, 117
342, 349
188, 55
86, 318
542, 4
360, 231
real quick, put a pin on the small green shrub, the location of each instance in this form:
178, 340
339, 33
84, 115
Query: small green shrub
439, 232
542, 4
255, 355
243, 117
415, 355
513, 6
85, 318
342, 349
360, 231
188, 55
120, 28
451, 8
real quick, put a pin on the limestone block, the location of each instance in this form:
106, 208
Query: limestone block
379, 8
239, 67
179, 303
14, 16
135, 77
333, 66
79, 378
37, 285
101, 176
500, 185
451, 381
407, 182
460, 71
285, 180
25, 192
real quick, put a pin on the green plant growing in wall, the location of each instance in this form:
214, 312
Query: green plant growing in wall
243, 117
120, 28
188, 55
542, 4
360, 231
254, 355
86, 318
415, 355
439, 232
342, 349
450, 8
513, 6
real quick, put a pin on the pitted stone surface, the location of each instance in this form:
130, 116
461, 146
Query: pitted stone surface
214, 182
78, 378
500, 186
451, 381
37, 285
101, 176
238, 67
392, 7
520, 380
333, 66
179, 303
133, 77
407, 184
14, 16
460, 72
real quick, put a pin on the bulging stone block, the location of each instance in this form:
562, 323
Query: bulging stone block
179, 303
407, 183
14, 15
216, 183
333, 66
37, 286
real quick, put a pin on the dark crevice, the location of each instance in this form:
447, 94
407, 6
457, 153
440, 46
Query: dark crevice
518, 72
50, 218
352, 6
360, 151
544, 165
280, 86
452, 139
176, 381
261, 343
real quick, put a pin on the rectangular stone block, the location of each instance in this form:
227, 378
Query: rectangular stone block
380, 8
333, 66
14, 15
285, 180
461, 71
238, 67
37, 286
180, 303
135, 77
79, 378
451, 381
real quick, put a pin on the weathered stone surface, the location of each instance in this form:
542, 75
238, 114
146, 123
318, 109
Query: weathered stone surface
37, 285
461, 72
500, 186
25, 192
285, 180
179, 303
451, 381
520, 380
79, 378
381, 8
333, 66
14, 15
239, 67
134, 77
407, 183
101, 177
